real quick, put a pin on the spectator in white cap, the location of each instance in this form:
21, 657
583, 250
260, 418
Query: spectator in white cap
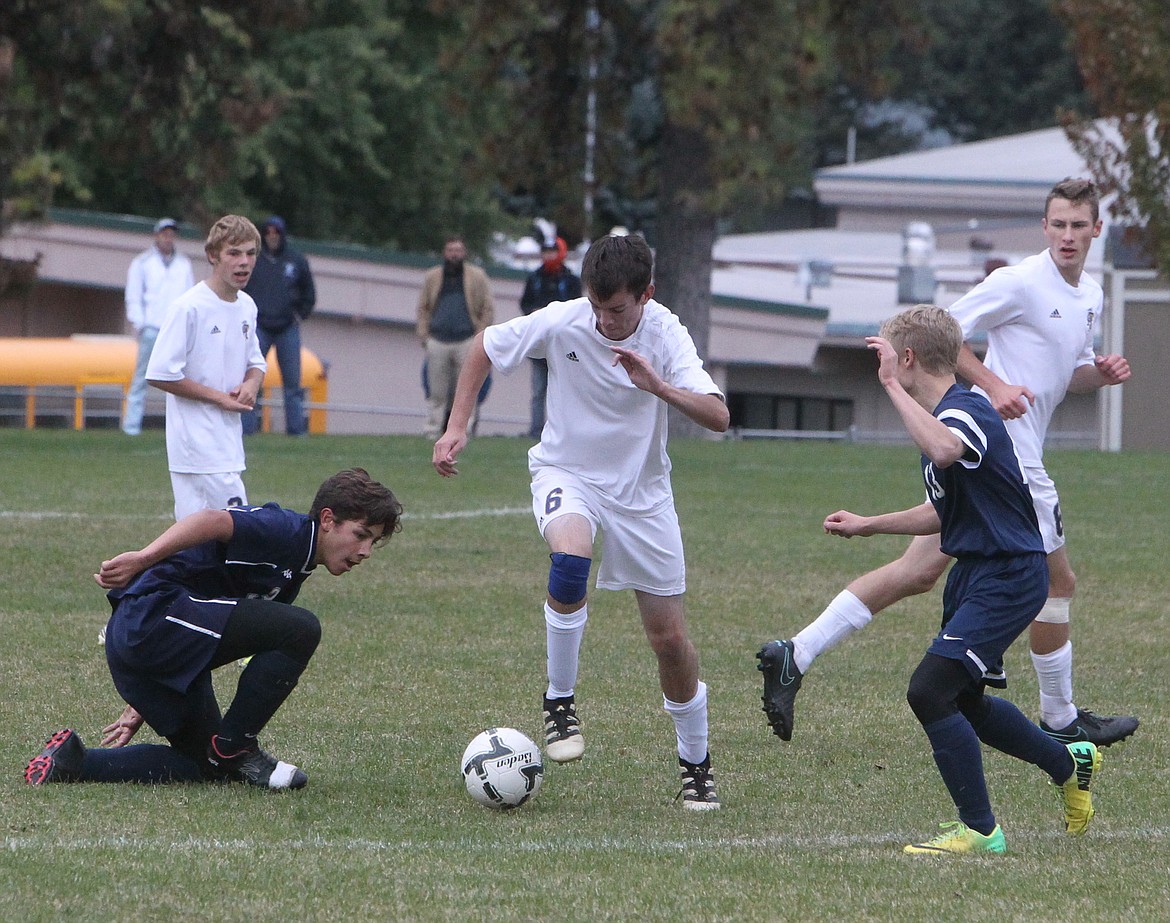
157, 276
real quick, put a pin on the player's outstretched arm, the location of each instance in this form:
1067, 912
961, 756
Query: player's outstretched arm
918, 520
474, 373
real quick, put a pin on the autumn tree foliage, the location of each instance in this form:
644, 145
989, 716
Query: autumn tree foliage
1123, 50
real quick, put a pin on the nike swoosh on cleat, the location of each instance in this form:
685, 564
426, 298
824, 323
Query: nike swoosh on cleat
787, 676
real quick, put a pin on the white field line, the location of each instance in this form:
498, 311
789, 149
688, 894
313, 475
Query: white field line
200, 845
37, 515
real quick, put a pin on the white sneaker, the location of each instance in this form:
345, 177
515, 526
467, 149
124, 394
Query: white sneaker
563, 742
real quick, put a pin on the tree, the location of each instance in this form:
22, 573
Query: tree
992, 67
335, 113
139, 104
1123, 51
703, 105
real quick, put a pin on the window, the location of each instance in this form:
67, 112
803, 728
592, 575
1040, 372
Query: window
786, 412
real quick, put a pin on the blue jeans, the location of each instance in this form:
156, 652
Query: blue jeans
136, 396
288, 357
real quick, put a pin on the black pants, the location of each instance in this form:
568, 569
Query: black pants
280, 639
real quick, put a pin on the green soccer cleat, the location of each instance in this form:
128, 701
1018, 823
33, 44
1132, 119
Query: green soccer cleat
957, 837
1078, 803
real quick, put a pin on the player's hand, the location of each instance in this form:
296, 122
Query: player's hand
1011, 401
846, 524
119, 571
639, 369
1114, 369
240, 400
123, 729
446, 452
887, 358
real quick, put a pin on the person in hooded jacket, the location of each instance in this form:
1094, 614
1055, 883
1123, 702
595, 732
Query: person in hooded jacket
282, 287
551, 281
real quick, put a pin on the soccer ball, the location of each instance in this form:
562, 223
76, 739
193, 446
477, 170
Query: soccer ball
502, 768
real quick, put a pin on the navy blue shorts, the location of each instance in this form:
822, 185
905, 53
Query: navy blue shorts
987, 604
157, 646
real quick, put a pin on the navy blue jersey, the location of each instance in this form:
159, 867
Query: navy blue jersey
269, 556
982, 500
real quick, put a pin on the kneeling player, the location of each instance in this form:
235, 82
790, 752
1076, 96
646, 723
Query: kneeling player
215, 587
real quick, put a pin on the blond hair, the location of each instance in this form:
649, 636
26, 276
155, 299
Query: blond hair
230, 229
931, 332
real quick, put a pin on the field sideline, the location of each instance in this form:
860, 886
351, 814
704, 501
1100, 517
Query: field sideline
439, 635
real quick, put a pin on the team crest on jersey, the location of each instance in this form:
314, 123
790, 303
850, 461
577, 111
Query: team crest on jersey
1092, 317
244, 328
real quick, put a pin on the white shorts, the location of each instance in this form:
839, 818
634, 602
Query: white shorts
195, 492
637, 552
1047, 506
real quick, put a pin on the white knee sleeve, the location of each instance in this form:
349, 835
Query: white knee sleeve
1055, 611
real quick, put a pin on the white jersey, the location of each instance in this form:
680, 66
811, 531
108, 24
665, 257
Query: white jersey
152, 285
599, 426
1039, 331
213, 342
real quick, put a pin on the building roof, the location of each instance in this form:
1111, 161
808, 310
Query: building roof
1011, 175
1002, 180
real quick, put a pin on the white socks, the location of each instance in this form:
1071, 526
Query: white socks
690, 725
1054, 674
563, 635
843, 616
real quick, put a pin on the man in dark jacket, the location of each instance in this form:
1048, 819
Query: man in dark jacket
552, 281
282, 287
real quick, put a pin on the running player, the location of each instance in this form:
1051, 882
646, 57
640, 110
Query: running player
979, 504
1039, 317
617, 360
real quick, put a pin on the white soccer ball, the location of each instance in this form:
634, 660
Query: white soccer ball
502, 768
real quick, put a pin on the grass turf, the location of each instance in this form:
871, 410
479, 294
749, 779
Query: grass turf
440, 634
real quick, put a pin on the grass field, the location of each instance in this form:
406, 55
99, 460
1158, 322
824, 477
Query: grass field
440, 635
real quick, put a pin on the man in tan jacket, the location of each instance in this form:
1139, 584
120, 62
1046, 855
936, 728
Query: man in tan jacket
455, 304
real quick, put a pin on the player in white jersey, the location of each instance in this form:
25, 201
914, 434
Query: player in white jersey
1040, 317
207, 359
617, 360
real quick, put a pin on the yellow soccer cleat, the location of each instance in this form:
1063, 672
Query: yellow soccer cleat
957, 838
1078, 803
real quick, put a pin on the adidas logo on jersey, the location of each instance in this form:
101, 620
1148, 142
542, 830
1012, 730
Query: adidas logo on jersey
1055, 313
572, 357
215, 328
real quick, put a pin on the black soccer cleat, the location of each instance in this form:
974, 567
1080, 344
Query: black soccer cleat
255, 767
563, 742
698, 786
781, 683
1100, 730
59, 761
